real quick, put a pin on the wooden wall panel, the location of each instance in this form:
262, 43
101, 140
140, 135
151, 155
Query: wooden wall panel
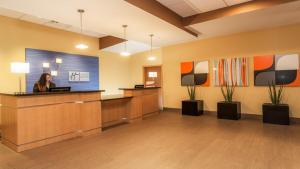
0, 113
31, 124
9, 124
136, 109
90, 97
90, 115
150, 103
62, 119
114, 111
46, 100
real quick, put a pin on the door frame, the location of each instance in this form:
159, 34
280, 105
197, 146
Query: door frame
161, 74
161, 98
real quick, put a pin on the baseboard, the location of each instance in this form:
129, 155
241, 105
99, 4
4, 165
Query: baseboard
171, 109
293, 120
114, 125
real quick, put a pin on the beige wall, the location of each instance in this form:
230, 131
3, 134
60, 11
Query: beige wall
138, 61
273, 41
114, 72
17, 35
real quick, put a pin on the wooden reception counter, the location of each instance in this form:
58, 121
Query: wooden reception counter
133, 105
33, 120
37, 119
144, 102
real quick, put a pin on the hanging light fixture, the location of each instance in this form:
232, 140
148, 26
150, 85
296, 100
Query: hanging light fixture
125, 52
151, 57
81, 45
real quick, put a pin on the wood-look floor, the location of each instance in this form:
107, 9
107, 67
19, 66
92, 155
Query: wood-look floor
169, 141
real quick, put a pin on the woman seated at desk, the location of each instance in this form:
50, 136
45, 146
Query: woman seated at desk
44, 84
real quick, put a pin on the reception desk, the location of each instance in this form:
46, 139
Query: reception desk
133, 105
144, 102
33, 120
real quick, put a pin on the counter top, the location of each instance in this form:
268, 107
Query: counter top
114, 97
145, 88
49, 93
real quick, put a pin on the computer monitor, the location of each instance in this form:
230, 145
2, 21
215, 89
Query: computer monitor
60, 89
139, 86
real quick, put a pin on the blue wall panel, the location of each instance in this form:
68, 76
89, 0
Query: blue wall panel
71, 62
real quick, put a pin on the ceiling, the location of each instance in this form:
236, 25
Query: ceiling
186, 8
106, 17
102, 17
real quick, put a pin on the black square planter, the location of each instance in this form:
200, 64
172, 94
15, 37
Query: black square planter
276, 114
229, 110
192, 107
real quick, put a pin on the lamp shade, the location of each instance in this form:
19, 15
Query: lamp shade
19, 67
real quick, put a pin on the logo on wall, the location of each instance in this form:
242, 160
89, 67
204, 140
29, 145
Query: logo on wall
79, 76
278, 69
195, 73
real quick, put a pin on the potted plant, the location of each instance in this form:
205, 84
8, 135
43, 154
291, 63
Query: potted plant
228, 109
276, 112
192, 106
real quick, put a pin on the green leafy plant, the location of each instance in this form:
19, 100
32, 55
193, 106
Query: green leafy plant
192, 91
228, 92
274, 94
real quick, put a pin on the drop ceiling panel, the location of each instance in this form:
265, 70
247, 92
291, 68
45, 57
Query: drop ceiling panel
33, 19
132, 47
208, 5
267, 18
179, 6
10, 13
235, 2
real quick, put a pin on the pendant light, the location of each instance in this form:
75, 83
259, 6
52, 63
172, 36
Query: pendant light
151, 57
81, 45
125, 52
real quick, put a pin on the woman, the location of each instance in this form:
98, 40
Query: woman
44, 84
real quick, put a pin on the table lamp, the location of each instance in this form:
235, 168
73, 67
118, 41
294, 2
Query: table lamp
19, 68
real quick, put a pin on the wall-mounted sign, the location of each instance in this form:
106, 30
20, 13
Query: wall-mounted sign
79, 76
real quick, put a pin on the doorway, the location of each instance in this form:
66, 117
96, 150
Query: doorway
152, 76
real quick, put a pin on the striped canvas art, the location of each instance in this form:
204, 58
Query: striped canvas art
232, 71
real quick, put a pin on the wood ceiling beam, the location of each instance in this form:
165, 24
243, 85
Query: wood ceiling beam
157, 9
232, 10
108, 41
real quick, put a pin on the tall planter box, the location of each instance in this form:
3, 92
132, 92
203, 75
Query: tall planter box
276, 114
192, 107
229, 110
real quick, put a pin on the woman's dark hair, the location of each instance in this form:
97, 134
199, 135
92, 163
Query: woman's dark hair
43, 79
